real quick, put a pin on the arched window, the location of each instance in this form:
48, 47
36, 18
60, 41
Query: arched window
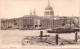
30, 20
47, 13
51, 13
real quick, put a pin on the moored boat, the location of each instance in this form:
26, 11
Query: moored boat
62, 30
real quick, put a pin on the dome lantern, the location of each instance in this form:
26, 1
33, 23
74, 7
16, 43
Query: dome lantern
49, 7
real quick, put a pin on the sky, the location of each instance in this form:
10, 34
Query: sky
19, 8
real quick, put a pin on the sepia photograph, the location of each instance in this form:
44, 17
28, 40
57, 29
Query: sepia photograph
40, 23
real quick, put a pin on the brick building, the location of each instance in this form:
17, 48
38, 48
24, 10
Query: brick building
30, 21
27, 21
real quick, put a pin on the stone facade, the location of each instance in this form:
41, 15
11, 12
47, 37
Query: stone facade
51, 23
9, 23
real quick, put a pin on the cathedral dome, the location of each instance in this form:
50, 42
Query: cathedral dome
48, 8
49, 11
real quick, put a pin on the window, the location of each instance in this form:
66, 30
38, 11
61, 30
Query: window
40, 26
47, 13
30, 20
51, 13
25, 18
9, 26
15, 23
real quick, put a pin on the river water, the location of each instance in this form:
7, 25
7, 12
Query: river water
14, 37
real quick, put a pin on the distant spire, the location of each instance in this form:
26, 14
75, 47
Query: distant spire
48, 3
34, 12
30, 12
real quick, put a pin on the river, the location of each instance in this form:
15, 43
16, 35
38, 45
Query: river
14, 37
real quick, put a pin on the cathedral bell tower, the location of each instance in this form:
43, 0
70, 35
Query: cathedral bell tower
49, 11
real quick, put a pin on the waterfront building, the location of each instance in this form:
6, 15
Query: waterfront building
30, 21
49, 20
51, 23
33, 21
25, 22
9, 23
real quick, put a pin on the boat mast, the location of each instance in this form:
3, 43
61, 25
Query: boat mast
70, 22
